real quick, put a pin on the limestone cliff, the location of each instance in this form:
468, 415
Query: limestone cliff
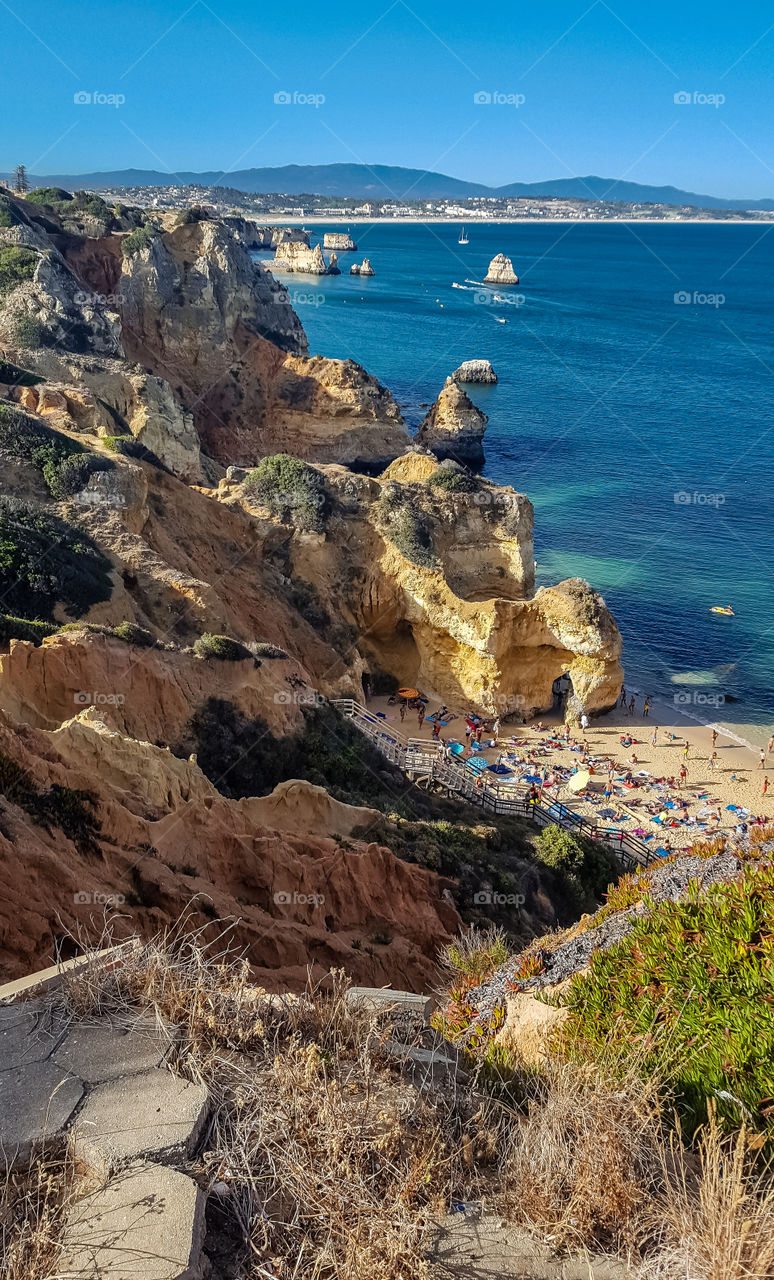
254, 236
291, 256
363, 268
340, 240
501, 271
180, 340
475, 371
454, 427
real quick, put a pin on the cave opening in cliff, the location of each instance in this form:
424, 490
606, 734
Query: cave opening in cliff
394, 650
562, 691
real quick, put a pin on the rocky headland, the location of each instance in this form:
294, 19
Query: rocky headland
235, 532
363, 268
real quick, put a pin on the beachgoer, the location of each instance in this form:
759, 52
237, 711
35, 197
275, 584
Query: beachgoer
496, 728
468, 729
436, 730
711, 759
622, 703
646, 707
683, 775
770, 745
763, 759
479, 734
584, 722
685, 750
403, 711
714, 736
654, 735
631, 705
421, 714
765, 784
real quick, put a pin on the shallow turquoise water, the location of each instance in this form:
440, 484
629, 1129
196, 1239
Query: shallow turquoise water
612, 399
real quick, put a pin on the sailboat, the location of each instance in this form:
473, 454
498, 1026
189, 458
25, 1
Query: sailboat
463, 238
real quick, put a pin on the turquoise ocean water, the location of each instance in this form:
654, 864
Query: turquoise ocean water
635, 407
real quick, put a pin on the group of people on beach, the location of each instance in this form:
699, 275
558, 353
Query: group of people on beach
624, 793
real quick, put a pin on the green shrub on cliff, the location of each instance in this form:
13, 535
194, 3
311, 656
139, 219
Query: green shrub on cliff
453, 478
17, 264
9, 215
196, 213
292, 490
29, 334
45, 561
221, 647
64, 463
691, 990
582, 869
51, 196
137, 240
12, 628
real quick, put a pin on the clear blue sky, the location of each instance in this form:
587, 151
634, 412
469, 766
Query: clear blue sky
199, 79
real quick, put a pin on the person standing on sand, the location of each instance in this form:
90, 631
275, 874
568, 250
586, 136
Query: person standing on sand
713, 755
402, 710
770, 745
646, 706
421, 714
685, 750
622, 703
683, 775
496, 729
436, 731
765, 785
584, 722
762, 759
654, 735
714, 736
631, 705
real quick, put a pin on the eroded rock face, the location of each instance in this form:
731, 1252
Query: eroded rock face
166, 834
253, 236
363, 268
454, 427
475, 371
501, 271
295, 257
339, 240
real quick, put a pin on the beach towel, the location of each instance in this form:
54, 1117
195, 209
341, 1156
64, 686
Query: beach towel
476, 764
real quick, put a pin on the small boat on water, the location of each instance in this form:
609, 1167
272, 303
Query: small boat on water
463, 238
457, 286
719, 608
501, 320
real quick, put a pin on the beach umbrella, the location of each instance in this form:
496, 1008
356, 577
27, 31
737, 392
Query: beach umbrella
579, 781
409, 694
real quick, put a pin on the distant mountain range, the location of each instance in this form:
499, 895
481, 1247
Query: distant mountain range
384, 182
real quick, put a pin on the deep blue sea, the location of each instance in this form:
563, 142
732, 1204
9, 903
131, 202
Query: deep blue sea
640, 424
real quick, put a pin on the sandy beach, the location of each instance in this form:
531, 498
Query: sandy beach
736, 778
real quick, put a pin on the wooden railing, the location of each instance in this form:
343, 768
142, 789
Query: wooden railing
419, 758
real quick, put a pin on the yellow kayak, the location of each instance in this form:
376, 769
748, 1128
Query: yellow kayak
719, 608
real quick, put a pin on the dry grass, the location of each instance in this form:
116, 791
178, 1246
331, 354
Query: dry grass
585, 1159
33, 1205
327, 1162
716, 1224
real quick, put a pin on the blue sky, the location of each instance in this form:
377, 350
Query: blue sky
198, 81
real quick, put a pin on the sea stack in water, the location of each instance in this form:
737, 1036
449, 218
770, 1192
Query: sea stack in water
300, 258
454, 427
363, 268
501, 271
475, 371
339, 240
